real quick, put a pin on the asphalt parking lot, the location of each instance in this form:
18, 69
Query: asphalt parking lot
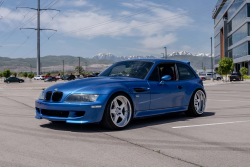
219, 138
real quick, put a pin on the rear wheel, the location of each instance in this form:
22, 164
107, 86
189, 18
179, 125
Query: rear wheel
197, 104
8, 82
203, 79
118, 112
20, 81
218, 79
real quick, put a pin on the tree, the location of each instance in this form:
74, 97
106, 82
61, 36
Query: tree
226, 65
31, 75
48, 74
204, 69
25, 74
243, 71
7, 73
1, 75
79, 68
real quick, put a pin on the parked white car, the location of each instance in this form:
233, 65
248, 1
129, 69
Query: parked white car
208, 76
39, 77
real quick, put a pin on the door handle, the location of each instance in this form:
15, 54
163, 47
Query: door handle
180, 87
139, 89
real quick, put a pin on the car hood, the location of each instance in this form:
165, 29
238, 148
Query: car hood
90, 85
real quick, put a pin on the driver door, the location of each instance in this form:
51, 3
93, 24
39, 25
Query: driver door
169, 94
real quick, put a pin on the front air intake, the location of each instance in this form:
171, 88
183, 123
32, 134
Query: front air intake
57, 96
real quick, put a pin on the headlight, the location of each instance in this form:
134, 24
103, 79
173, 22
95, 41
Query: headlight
41, 97
81, 98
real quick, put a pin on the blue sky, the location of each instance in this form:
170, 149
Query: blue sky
121, 27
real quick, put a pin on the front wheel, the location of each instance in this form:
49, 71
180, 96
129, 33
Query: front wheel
203, 79
118, 112
197, 104
20, 81
218, 79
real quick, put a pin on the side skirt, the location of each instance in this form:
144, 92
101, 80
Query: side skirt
159, 112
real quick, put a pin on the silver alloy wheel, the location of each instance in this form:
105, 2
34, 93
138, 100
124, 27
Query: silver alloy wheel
120, 111
199, 102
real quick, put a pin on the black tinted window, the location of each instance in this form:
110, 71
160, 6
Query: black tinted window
185, 72
155, 75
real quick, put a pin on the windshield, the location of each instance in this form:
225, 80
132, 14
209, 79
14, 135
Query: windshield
133, 69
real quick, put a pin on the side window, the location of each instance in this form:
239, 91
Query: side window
168, 69
155, 75
185, 72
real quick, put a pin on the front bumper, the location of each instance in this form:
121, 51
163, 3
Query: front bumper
93, 111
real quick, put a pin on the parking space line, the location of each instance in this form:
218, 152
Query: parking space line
190, 126
227, 100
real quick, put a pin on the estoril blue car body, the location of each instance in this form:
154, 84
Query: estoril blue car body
125, 90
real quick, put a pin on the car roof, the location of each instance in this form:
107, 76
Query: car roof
160, 61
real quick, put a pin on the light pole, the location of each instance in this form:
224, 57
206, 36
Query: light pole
166, 53
212, 63
79, 66
163, 55
63, 66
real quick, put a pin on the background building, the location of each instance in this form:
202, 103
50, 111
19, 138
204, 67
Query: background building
232, 32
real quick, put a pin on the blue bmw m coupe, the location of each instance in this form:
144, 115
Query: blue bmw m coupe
126, 90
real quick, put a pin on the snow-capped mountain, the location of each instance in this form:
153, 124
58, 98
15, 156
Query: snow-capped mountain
189, 54
180, 53
109, 56
202, 54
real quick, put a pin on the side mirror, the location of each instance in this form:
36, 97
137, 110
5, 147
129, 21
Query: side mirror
165, 78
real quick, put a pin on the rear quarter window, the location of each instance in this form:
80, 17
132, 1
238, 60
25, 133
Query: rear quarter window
185, 72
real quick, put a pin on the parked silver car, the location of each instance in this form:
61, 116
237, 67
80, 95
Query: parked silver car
208, 76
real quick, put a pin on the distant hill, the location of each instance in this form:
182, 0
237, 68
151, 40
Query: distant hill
49, 63
96, 63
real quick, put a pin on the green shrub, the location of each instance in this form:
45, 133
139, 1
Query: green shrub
48, 74
246, 77
25, 74
31, 75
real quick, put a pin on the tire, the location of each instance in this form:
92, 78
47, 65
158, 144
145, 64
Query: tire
20, 81
197, 104
203, 79
115, 117
8, 82
218, 79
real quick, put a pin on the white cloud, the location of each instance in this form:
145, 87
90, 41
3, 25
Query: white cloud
75, 3
140, 4
80, 3
159, 41
156, 25
158, 21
